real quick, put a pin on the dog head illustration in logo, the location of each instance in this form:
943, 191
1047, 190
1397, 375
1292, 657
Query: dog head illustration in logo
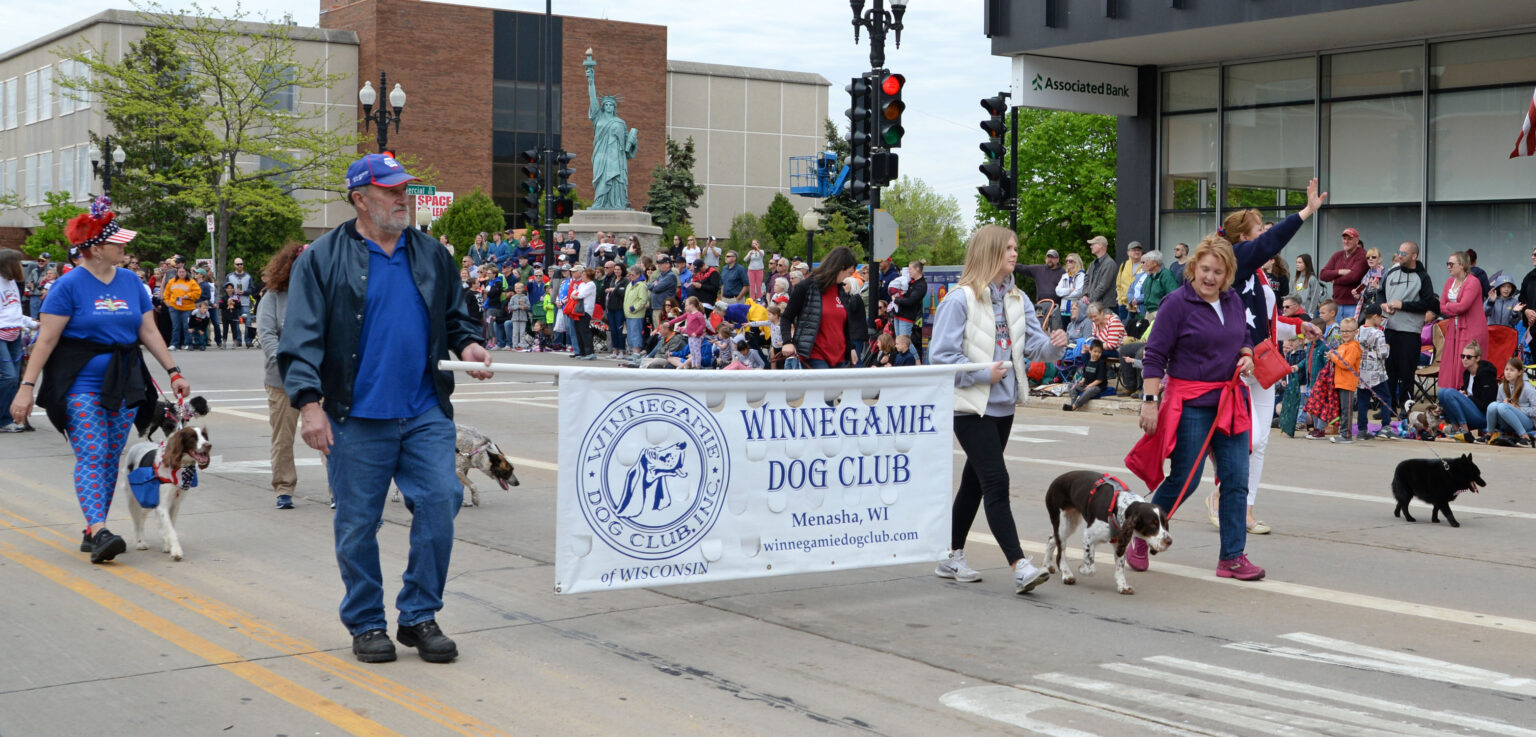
645, 486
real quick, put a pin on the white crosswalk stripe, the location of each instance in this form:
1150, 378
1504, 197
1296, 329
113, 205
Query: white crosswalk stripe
1364, 657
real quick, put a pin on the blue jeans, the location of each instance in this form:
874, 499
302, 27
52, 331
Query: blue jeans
634, 329
901, 327
417, 454
1459, 409
615, 334
1231, 453
1346, 311
1501, 416
179, 320
1363, 405
10, 376
816, 363
499, 329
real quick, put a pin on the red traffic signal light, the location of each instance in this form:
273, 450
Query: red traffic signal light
891, 107
892, 84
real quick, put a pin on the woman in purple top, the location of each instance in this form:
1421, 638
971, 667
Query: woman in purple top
1199, 341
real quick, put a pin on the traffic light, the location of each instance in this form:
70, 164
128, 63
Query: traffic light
882, 167
533, 185
888, 123
564, 205
999, 188
860, 124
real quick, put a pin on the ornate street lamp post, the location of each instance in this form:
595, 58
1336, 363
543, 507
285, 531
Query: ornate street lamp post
381, 118
106, 169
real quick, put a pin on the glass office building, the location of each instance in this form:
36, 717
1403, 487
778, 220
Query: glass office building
1410, 136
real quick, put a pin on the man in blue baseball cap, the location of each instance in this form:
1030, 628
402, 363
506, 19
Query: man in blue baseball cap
362, 370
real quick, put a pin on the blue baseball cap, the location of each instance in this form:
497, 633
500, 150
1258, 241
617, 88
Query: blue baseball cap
378, 170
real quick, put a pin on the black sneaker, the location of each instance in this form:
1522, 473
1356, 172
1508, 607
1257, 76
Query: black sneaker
105, 546
373, 646
429, 641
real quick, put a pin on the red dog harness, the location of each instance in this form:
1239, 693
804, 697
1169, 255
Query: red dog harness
1114, 500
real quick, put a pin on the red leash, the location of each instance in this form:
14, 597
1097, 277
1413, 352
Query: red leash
1200, 459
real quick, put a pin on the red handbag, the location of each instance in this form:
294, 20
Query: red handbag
1269, 365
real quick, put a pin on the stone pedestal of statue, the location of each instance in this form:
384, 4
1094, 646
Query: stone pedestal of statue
621, 224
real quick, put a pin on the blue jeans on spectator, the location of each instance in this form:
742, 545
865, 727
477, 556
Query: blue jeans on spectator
615, 334
199, 338
499, 328
634, 330
817, 363
36, 304
10, 376
179, 318
901, 327
417, 454
1346, 311
1501, 416
1363, 405
1459, 409
1231, 453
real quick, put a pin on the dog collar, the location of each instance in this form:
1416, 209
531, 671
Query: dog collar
477, 451
1115, 519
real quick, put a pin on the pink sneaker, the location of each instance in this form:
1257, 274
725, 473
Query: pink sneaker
1136, 555
1238, 568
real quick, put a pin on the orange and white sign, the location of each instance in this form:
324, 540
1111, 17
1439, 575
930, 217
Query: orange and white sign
434, 203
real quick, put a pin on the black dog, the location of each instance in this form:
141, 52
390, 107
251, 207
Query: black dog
163, 417
1436, 483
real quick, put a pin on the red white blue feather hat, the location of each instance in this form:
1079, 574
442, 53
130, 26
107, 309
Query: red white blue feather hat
97, 226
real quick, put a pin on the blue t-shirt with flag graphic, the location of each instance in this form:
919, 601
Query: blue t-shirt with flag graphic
101, 312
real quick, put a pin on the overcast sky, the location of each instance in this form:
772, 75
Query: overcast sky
943, 54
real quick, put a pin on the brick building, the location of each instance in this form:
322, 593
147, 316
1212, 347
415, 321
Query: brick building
474, 82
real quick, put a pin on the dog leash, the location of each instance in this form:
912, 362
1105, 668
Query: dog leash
1393, 410
1205, 447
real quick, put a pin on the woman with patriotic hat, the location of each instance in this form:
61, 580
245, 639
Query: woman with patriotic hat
94, 379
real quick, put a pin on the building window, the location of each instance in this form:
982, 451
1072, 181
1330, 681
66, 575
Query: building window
1504, 234
1193, 89
519, 106
44, 176
1380, 72
83, 174
30, 94
45, 93
1382, 228
1465, 163
1271, 82
1374, 150
284, 94
29, 173
10, 103
67, 172
1189, 161
1483, 61
1269, 155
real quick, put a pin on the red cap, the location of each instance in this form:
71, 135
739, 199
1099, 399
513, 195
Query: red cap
1351, 232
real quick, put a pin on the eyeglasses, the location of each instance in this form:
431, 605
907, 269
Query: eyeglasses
1466, 357
1450, 263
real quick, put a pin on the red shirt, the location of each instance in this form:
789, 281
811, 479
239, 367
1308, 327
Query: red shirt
831, 338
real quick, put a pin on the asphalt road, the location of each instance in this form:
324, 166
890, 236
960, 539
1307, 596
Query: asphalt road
1366, 625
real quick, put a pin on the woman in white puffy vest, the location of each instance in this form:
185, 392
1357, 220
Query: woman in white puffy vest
987, 319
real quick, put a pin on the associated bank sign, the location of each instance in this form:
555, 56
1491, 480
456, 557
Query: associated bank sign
1080, 86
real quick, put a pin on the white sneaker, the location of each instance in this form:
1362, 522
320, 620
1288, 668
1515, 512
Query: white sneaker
954, 567
1026, 576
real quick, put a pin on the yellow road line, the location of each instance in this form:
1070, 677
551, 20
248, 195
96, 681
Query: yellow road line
233, 618
263, 678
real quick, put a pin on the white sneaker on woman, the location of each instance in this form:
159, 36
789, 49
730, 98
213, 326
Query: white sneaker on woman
954, 567
1026, 576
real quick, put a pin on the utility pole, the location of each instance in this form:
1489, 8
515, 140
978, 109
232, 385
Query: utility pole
546, 156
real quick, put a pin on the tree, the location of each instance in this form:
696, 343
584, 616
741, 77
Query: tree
673, 190
929, 223
745, 228
166, 225
1066, 182
235, 100
266, 219
781, 223
468, 217
855, 215
837, 232
49, 237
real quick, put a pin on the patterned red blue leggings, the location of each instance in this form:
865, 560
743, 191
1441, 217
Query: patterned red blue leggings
97, 436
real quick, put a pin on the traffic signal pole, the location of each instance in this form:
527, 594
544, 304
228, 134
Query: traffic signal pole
875, 111
1013, 155
546, 157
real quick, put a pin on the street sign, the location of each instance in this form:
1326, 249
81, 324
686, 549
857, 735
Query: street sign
885, 234
210, 223
437, 202
420, 189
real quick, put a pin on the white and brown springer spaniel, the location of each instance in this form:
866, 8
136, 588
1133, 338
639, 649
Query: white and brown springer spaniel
173, 461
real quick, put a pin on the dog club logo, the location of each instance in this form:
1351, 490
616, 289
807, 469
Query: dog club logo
110, 304
653, 472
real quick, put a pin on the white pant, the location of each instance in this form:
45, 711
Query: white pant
1261, 408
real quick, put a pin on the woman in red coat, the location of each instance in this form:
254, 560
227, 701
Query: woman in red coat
1461, 304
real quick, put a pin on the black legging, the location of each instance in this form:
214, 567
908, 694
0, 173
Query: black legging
1402, 364
984, 478
584, 335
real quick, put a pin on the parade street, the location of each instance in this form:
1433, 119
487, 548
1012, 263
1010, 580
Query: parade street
1366, 624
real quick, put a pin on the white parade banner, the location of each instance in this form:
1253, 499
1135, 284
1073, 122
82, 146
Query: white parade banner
669, 478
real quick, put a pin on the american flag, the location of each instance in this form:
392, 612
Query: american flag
1525, 145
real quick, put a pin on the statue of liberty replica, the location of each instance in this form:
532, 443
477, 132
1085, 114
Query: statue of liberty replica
613, 145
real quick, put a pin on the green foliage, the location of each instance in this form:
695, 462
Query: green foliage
673, 190
1066, 182
929, 223
837, 232
49, 236
781, 224
855, 215
681, 230
746, 228
467, 217
265, 220
214, 93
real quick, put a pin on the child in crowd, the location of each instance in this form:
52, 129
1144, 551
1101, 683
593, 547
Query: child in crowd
746, 359
884, 353
725, 347
1328, 312
518, 308
1373, 373
1346, 359
905, 354
1500, 306
1092, 378
230, 312
197, 324
540, 336
695, 326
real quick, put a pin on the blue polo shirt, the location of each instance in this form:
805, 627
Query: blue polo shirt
394, 380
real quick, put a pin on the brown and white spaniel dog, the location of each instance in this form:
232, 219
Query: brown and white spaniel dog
158, 476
